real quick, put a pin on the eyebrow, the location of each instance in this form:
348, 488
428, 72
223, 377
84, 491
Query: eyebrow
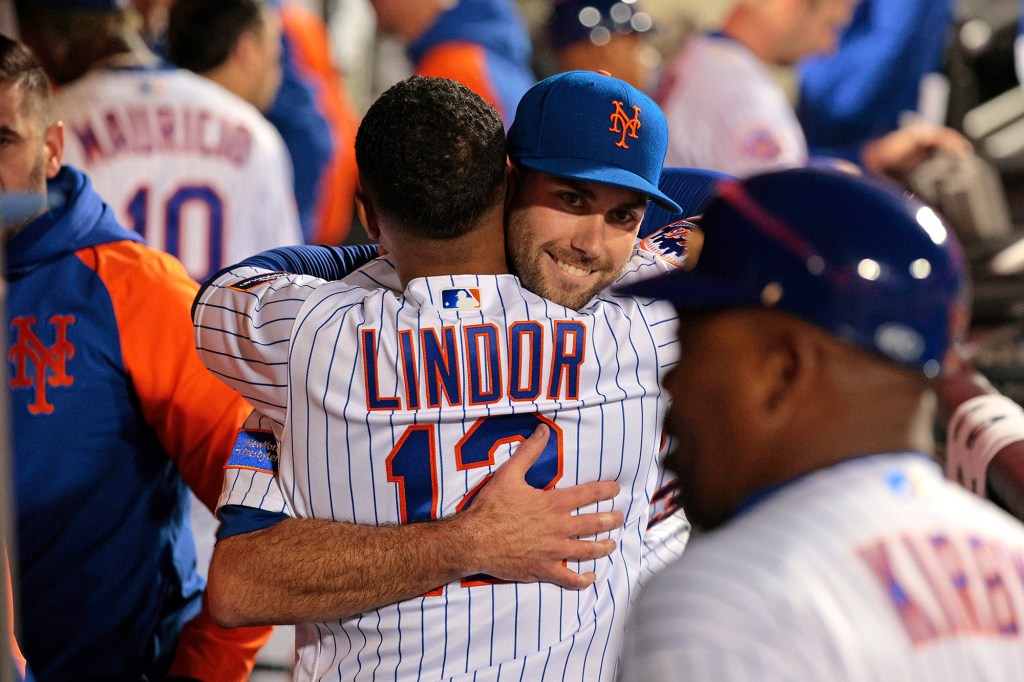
583, 190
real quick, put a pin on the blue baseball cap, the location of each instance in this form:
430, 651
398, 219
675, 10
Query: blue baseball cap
856, 257
586, 125
573, 21
691, 188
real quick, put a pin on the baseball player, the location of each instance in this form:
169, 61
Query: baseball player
819, 310
195, 170
112, 415
467, 385
732, 116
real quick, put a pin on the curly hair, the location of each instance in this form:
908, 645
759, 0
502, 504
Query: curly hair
431, 156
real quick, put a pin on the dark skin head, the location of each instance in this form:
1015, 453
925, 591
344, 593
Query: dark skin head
760, 397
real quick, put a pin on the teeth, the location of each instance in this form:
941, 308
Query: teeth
572, 269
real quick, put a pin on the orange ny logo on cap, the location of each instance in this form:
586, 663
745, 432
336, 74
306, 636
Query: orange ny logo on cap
624, 125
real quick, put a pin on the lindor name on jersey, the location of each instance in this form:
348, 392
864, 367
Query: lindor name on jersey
539, 364
140, 129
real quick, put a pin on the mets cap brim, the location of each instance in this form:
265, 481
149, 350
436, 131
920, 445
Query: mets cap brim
585, 169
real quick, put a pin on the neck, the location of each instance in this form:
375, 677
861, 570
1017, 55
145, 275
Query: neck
228, 76
479, 252
749, 30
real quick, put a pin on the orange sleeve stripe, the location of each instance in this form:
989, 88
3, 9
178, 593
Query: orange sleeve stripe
465, 63
19, 659
336, 195
195, 415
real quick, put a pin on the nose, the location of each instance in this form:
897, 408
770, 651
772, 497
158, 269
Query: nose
589, 236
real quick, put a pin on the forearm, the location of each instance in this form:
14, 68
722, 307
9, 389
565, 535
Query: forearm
309, 570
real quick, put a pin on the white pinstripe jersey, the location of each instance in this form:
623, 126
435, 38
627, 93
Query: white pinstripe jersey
396, 408
874, 569
726, 112
198, 171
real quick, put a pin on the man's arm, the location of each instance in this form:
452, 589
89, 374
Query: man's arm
308, 570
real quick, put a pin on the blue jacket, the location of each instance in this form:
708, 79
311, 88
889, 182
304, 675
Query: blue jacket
101, 371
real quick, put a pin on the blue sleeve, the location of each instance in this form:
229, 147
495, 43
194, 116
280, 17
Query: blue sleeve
236, 520
325, 262
858, 93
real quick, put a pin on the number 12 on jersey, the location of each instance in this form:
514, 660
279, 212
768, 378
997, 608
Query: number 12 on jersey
414, 463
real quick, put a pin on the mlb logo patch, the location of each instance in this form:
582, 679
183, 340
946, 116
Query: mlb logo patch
460, 299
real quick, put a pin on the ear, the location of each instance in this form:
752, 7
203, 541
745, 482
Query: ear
789, 360
512, 178
53, 148
367, 215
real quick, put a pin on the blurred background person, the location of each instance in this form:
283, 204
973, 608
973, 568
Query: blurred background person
729, 114
861, 91
113, 419
191, 166
483, 44
608, 35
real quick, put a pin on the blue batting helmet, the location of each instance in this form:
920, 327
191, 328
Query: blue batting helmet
855, 257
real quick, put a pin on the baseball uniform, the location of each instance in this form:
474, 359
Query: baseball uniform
873, 569
725, 111
193, 168
405, 419
112, 415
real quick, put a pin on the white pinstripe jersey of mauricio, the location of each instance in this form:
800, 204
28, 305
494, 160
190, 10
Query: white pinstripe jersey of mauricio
198, 171
726, 112
394, 408
874, 569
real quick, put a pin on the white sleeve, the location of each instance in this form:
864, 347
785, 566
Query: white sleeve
668, 529
243, 324
275, 215
251, 473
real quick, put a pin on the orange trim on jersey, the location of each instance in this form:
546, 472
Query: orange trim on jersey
337, 191
467, 64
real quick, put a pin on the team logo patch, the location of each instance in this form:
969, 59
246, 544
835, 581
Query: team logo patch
669, 243
256, 281
623, 124
460, 299
35, 365
256, 450
760, 143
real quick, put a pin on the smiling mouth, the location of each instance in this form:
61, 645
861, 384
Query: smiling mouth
571, 269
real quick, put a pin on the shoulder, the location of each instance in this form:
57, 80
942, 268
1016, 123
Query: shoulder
137, 270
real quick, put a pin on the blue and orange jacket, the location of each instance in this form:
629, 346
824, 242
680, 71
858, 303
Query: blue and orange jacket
484, 45
112, 413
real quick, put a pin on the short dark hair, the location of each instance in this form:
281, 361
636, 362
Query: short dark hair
202, 33
431, 156
20, 67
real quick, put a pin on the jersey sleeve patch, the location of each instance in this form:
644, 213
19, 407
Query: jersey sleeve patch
250, 283
256, 450
669, 243
759, 142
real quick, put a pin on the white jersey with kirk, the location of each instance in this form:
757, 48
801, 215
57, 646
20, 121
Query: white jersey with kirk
726, 112
198, 171
395, 408
874, 569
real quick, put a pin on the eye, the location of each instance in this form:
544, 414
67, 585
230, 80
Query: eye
571, 199
625, 217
